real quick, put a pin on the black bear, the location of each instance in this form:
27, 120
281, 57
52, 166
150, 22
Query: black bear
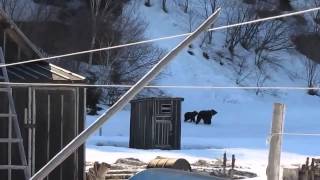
190, 116
206, 116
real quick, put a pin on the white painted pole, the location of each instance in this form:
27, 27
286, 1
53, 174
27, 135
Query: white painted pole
126, 98
273, 169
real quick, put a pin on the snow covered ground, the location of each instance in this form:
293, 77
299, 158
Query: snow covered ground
243, 122
244, 134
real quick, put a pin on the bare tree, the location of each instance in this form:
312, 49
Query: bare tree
186, 6
191, 19
243, 35
209, 8
273, 37
248, 35
242, 69
261, 78
316, 17
14, 8
268, 4
42, 12
9, 6
125, 65
99, 9
312, 75
261, 38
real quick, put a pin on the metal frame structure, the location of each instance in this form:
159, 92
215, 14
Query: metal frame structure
13, 126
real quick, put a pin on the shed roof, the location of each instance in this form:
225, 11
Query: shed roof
157, 98
37, 71
42, 72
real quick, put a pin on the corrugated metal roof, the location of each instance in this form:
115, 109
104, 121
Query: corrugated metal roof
41, 72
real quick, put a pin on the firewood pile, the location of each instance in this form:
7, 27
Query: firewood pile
122, 169
222, 168
310, 171
125, 168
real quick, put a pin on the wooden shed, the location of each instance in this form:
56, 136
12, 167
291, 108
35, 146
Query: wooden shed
155, 123
48, 117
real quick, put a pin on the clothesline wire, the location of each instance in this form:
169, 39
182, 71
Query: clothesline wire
12, 84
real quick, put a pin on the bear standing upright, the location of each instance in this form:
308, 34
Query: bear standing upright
206, 116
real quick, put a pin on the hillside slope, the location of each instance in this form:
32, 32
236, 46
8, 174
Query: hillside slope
243, 122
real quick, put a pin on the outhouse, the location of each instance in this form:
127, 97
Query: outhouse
48, 117
155, 123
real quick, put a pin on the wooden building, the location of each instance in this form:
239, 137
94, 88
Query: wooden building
48, 117
155, 123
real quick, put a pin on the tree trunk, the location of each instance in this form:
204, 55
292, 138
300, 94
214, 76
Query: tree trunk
93, 42
186, 6
164, 6
210, 37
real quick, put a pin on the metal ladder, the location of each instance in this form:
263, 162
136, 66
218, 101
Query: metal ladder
13, 126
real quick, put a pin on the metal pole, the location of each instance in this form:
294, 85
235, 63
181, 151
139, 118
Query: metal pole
275, 142
126, 98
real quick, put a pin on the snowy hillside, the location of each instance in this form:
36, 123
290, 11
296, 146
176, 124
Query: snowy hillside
242, 125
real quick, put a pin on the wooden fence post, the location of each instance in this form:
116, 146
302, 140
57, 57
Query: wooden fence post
273, 168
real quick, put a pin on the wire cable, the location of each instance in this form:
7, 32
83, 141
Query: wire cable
290, 134
301, 134
157, 86
296, 134
161, 38
266, 19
